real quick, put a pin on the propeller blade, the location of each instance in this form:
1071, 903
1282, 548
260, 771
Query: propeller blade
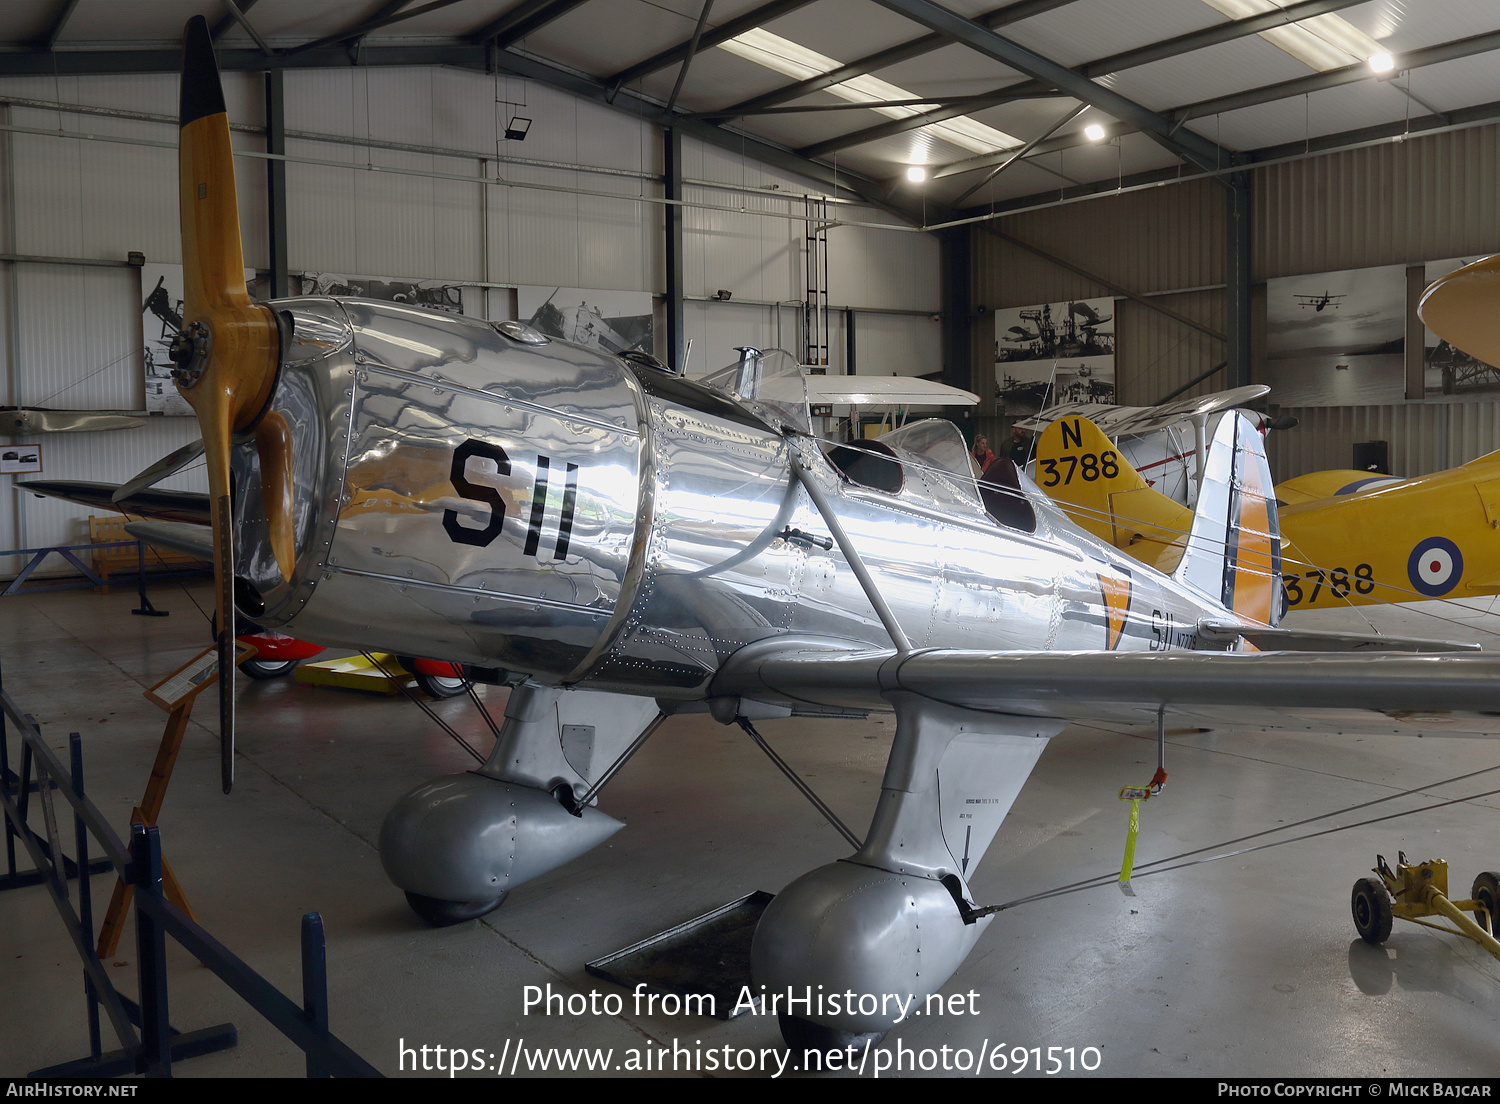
170, 464
226, 353
1461, 308
273, 441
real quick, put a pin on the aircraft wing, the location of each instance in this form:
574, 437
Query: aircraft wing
1346, 693
886, 391
178, 536
185, 506
1127, 421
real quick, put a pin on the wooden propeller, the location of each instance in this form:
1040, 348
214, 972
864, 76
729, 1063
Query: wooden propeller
227, 352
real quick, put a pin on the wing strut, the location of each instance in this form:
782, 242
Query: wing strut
846, 546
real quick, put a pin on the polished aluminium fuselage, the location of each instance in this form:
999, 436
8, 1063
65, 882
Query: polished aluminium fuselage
551, 510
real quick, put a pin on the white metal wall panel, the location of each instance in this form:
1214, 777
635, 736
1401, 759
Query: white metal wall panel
896, 345
79, 340
883, 268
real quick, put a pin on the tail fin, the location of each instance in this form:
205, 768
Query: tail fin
1078, 466
1234, 550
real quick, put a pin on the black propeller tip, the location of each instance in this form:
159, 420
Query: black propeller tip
201, 92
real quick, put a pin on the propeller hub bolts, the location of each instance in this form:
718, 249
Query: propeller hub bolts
189, 351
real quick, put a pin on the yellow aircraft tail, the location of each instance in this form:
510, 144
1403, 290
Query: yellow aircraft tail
1078, 466
1230, 548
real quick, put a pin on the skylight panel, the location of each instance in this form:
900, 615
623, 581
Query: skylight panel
800, 63
1323, 42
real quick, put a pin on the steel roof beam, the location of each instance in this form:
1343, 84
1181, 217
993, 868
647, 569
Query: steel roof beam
1011, 13
1350, 74
229, 20
722, 33
59, 21
1158, 51
383, 18
1264, 157
965, 103
1180, 141
250, 30
708, 6
1431, 55
523, 21
478, 58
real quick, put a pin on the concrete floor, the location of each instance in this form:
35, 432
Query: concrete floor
1246, 966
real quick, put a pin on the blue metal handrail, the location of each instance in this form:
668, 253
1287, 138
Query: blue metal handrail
154, 1049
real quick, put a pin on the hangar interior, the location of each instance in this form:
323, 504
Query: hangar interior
871, 185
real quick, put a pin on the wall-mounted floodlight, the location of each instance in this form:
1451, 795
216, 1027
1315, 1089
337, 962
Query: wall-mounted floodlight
1382, 63
516, 130
1093, 132
916, 173
723, 295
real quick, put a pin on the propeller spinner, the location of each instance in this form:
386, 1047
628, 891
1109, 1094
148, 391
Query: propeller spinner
228, 350
1460, 308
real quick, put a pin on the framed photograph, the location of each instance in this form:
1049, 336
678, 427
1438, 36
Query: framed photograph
20, 459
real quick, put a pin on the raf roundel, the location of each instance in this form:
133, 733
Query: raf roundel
1435, 566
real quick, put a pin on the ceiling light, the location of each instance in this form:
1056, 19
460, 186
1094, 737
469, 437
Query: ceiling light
1093, 132
1382, 62
916, 173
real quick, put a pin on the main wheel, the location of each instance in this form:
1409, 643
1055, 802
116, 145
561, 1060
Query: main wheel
802, 1036
267, 668
441, 686
1486, 892
442, 914
1371, 906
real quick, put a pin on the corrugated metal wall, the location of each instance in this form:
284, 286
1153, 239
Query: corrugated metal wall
1419, 200
1157, 240
77, 337
1425, 199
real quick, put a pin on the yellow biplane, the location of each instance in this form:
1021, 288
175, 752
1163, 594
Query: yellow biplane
1348, 538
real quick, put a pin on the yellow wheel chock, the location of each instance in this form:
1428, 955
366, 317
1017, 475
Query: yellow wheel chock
1416, 890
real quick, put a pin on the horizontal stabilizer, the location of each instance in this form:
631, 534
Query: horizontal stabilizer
1283, 639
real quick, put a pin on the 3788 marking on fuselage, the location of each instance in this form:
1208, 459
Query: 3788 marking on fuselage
483, 536
1336, 581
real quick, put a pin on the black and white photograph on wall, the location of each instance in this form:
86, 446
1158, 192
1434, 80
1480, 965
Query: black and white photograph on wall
161, 319
427, 294
20, 459
1337, 338
1054, 353
1450, 371
613, 321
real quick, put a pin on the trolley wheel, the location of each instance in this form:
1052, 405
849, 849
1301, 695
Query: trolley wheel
442, 686
1486, 892
267, 668
1371, 906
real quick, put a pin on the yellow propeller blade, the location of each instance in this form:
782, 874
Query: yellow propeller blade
1463, 307
227, 352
